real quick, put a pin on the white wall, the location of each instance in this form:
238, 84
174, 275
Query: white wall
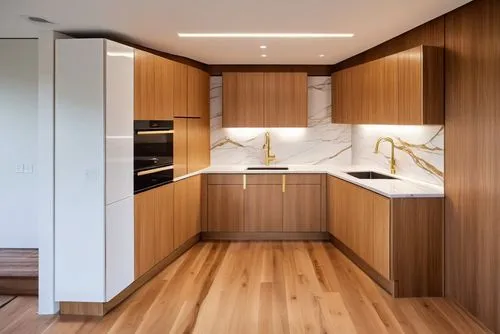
18, 143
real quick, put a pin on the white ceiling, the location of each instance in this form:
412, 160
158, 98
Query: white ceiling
155, 24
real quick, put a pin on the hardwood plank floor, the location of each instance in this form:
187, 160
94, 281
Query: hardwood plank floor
255, 287
18, 271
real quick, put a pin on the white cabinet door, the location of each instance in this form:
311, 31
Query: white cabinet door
119, 121
119, 246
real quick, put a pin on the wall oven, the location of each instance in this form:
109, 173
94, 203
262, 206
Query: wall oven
153, 154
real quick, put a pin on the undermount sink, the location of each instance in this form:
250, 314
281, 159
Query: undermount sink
267, 168
369, 175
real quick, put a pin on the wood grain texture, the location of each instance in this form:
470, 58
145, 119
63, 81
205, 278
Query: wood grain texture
197, 92
187, 209
381, 235
179, 102
180, 147
472, 159
19, 286
302, 208
324, 204
301, 287
303, 178
242, 99
263, 208
144, 231
144, 86
163, 93
404, 88
265, 179
164, 222
285, 99
225, 179
430, 33
4, 300
198, 144
417, 246
226, 208
204, 202
18, 262
410, 78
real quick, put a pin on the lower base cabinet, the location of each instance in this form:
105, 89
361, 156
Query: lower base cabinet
398, 240
153, 227
261, 203
187, 209
225, 208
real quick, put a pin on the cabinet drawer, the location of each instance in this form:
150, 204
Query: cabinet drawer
225, 179
264, 178
303, 178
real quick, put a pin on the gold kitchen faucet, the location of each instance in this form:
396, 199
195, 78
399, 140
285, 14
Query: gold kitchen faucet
267, 147
392, 161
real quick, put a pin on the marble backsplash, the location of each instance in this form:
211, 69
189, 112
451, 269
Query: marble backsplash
321, 143
419, 150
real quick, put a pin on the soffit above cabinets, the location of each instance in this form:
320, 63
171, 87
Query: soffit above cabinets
156, 25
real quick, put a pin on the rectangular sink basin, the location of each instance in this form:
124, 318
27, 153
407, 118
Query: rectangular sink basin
267, 168
371, 176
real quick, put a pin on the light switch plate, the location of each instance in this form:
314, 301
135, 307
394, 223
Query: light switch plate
19, 168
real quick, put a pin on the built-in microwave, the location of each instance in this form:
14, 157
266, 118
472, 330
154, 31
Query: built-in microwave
153, 154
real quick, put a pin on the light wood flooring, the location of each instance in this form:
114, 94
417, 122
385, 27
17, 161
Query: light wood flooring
255, 287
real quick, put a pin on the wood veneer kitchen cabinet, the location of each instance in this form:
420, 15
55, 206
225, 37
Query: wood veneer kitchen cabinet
302, 208
197, 93
198, 144
421, 86
405, 88
180, 146
264, 208
144, 86
225, 208
180, 89
164, 221
243, 99
187, 209
153, 227
264, 100
145, 221
285, 100
397, 241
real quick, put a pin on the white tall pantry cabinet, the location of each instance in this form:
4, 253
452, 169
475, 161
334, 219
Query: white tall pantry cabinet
94, 184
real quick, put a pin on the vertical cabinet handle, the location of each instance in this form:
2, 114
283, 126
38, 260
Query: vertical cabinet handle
283, 183
244, 181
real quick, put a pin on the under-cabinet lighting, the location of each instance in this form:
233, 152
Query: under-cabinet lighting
263, 47
120, 54
264, 35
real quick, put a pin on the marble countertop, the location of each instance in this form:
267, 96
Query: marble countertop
399, 188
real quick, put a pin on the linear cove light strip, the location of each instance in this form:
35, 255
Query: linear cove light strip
264, 35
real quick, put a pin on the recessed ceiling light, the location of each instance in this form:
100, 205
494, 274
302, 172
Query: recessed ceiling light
263, 56
321, 55
263, 47
264, 35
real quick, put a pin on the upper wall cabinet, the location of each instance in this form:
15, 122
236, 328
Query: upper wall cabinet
264, 100
405, 88
198, 100
160, 90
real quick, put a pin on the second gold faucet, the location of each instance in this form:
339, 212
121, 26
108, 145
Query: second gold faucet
269, 156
